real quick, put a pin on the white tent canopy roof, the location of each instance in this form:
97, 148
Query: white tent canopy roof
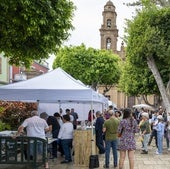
139, 106
55, 86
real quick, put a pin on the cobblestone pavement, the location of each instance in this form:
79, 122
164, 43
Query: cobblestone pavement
142, 161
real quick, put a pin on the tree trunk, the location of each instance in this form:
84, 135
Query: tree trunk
106, 89
145, 98
152, 66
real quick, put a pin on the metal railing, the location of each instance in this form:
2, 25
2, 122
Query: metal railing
23, 150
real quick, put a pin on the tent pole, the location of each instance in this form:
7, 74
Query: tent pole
92, 130
93, 161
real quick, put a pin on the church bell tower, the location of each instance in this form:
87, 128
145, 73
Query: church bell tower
108, 30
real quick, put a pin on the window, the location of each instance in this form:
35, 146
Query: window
108, 43
109, 23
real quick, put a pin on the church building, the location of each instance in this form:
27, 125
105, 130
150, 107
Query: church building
109, 38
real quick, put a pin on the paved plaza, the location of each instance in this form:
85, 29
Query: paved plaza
142, 161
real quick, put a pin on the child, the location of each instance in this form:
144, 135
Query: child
160, 134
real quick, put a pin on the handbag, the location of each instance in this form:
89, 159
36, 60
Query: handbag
120, 134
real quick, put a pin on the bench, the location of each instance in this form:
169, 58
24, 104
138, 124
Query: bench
18, 151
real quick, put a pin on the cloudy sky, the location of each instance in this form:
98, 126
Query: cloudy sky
88, 19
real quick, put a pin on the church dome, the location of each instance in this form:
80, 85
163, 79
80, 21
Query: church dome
109, 6
109, 3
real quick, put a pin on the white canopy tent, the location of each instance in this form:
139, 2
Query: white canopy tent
140, 106
54, 87
81, 108
57, 88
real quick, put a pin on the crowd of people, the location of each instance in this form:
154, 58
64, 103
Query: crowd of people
118, 130
114, 130
153, 124
61, 128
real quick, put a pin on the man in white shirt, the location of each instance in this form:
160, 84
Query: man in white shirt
35, 127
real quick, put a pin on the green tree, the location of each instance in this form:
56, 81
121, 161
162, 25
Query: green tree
135, 81
31, 30
91, 66
140, 82
162, 3
149, 45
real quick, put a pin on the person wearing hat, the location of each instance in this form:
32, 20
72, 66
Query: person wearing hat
145, 132
160, 134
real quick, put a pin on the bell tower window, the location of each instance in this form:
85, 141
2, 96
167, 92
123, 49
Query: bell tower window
108, 30
109, 23
108, 43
